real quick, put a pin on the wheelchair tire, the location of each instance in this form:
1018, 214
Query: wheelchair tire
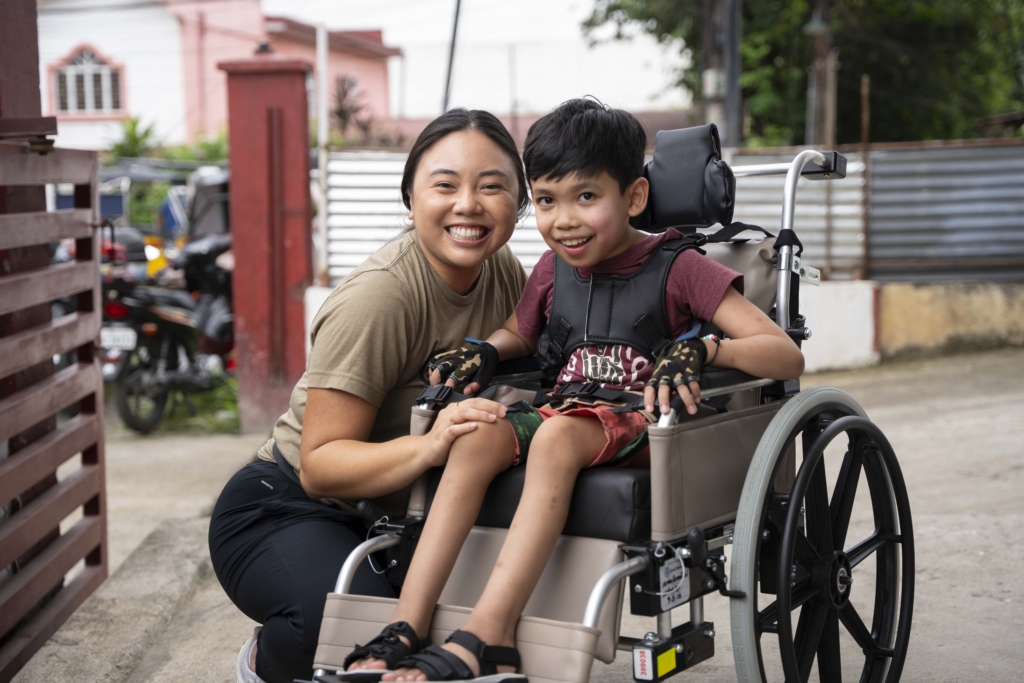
786, 551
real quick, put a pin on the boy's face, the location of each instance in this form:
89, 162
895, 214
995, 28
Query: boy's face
586, 220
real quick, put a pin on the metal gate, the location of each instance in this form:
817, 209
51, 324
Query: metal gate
42, 576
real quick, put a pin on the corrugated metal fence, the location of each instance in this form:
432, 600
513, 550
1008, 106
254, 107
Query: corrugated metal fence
947, 213
934, 213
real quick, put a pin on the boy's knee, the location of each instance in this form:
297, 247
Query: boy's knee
489, 447
558, 443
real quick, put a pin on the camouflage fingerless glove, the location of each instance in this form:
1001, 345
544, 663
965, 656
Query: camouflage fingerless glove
474, 362
680, 363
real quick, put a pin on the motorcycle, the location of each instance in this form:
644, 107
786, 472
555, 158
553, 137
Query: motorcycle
172, 340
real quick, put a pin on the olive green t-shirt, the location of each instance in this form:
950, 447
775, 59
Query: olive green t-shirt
379, 327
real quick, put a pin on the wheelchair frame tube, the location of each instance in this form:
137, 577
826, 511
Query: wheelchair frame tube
786, 252
360, 553
606, 584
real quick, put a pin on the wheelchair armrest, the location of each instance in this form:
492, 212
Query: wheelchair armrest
718, 381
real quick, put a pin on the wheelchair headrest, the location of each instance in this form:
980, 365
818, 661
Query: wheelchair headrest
691, 187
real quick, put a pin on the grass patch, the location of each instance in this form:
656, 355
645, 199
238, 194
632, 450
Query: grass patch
215, 411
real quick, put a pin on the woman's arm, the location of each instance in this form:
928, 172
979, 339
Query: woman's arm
756, 345
337, 462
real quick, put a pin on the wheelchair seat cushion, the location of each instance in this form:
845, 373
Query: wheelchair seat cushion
612, 503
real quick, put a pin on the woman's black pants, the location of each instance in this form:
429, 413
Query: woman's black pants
277, 553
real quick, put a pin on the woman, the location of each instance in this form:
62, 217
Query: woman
284, 524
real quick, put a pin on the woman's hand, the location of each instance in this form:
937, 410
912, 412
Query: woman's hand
454, 421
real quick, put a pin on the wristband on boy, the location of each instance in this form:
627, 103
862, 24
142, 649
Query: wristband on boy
474, 362
679, 364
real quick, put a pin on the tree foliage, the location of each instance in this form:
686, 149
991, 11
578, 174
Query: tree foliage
935, 65
136, 140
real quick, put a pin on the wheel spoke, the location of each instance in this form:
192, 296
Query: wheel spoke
830, 665
860, 552
769, 615
843, 495
808, 635
819, 524
855, 625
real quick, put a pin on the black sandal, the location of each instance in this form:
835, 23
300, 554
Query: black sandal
441, 665
388, 647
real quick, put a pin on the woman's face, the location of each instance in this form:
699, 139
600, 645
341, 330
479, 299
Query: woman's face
464, 204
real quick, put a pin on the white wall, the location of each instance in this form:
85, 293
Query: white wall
843, 319
145, 40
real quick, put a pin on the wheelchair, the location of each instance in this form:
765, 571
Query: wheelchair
805, 489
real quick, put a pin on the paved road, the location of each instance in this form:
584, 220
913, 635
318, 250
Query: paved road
957, 425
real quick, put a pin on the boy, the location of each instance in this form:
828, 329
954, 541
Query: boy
584, 162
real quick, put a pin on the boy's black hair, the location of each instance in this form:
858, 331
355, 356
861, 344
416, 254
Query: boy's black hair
586, 137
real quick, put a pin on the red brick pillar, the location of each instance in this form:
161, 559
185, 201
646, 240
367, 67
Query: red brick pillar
268, 129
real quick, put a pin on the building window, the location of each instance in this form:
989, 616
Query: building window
86, 84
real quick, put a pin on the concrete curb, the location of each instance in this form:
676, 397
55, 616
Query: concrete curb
105, 640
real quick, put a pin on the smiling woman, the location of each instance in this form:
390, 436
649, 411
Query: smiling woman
284, 524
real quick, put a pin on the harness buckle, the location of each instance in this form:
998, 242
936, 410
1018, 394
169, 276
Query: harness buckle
439, 393
576, 390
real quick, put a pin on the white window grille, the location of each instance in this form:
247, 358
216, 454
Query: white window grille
88, 85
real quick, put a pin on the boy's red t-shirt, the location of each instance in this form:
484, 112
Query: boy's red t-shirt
695, 287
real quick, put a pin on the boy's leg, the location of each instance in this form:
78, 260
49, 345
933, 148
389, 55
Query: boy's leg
561, 448
475, 459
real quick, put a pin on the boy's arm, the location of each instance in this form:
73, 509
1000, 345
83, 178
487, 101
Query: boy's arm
757, 346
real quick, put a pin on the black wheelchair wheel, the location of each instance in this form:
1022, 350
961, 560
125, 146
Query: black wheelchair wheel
817, 567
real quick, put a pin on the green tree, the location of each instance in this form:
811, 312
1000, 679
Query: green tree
136, 140
935, 65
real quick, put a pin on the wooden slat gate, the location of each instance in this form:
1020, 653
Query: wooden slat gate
42, 576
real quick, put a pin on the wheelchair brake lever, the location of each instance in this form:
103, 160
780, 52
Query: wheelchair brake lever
713, 566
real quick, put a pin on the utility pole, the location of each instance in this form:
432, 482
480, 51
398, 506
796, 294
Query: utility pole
733, 134
512, 92
820, 26
322, 133
451, 57
712, 72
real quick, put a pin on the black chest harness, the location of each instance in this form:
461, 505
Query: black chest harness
629, 310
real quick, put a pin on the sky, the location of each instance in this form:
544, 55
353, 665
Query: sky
532, 52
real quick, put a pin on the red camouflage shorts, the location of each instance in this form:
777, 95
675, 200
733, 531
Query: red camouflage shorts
626, 432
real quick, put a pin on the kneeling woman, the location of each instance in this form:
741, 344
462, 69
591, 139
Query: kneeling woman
285, 523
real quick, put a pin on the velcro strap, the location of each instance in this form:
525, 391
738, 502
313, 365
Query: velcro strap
488, 656
648, 329
560, 333
730, 231
588, 390
788, 238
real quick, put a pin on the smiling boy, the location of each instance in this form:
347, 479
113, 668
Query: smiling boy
585, 164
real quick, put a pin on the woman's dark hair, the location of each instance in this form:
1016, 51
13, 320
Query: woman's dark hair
586, 137
455, 121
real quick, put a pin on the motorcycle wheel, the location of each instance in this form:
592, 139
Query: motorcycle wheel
140, 402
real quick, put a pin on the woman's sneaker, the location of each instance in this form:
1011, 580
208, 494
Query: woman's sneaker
244, 674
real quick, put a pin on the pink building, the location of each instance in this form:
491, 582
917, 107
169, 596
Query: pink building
101, 63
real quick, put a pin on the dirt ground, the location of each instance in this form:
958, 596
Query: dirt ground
956, 423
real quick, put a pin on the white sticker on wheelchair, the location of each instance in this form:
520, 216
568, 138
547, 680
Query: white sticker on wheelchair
675, 584
643, 664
